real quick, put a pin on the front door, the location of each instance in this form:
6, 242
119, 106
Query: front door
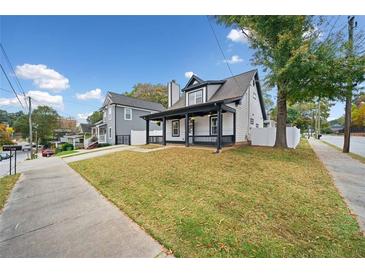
191, 130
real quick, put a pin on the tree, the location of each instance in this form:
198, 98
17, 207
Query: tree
302, 65
358, 115
5, 136
279, 43
21, 125
150, 92
45, 121
96, 116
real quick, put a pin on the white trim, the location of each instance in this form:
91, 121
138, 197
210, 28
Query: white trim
195, 91
125, 114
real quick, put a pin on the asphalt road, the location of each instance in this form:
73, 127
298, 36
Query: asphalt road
357, 143
4, 164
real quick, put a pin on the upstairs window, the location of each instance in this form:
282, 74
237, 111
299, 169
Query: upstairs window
195, 97
127, 114
110, 113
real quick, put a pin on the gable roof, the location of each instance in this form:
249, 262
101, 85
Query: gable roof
231, 88
115, 98
84, 128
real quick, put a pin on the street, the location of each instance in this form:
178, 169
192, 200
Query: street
357, 143
4, 164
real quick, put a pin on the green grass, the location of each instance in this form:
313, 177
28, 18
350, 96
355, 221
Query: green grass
6, 185
245, 202
352, 155
67, 152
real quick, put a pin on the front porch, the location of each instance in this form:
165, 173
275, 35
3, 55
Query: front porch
208, 125
100, 132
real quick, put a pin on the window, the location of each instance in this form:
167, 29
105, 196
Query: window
176, 128
110, 132
110, 113
257, 125
127, 114
252, 121
104, 116
195, 97
213, 125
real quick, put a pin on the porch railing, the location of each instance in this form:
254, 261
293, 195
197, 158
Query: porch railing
155, 139
198, 140
211, 140
102, 138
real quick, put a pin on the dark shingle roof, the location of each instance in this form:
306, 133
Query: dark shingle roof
85, 128
120, 99
232, 87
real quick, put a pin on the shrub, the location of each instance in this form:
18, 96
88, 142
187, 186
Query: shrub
67, 147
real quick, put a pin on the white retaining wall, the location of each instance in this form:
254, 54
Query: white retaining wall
138, 137
266, 136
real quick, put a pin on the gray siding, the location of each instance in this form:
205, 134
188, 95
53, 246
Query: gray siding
124, 127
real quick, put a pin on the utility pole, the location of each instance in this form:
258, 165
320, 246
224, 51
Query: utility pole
30, 127
347, 128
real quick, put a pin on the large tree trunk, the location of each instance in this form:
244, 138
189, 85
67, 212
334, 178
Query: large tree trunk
280, 140
346, 143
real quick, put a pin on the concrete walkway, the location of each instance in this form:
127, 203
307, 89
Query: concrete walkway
54, 212
348, 175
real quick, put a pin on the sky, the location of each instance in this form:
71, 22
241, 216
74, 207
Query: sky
71, 62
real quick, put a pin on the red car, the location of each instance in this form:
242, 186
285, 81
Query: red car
47, 152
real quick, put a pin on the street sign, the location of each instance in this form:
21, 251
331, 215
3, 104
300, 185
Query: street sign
11, 148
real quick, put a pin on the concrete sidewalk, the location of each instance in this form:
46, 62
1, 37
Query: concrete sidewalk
348, 175
54, 212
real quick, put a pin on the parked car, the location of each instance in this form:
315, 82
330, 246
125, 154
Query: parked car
4, 156
47, 152
26, 147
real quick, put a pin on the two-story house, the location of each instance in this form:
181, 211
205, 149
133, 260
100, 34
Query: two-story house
121, 114
214, 112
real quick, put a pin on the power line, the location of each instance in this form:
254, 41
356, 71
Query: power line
221, 50
12, 68
7, 78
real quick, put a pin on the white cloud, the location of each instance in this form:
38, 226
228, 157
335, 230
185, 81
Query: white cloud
234, 60
82, 116
236, 35
43, 77
38, 98
92, 94
188, 74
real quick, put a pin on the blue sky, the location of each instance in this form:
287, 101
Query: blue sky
70, 62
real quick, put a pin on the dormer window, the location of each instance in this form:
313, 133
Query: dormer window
195, 97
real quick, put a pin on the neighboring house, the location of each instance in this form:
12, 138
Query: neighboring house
215, 112
121, 114
336, 128
84, 129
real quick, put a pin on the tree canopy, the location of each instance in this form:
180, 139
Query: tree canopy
298, 60
96, 116
150, 92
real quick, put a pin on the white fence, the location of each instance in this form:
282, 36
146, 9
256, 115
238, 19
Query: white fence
138, 137
266, 136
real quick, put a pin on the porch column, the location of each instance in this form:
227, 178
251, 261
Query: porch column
234, 127
186, 129
164, 131
147, 131
219, 135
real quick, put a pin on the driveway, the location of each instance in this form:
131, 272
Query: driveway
54, 212
357, 143
348, 175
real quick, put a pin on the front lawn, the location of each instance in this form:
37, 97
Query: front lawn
245, 202
6, 185
66, 152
